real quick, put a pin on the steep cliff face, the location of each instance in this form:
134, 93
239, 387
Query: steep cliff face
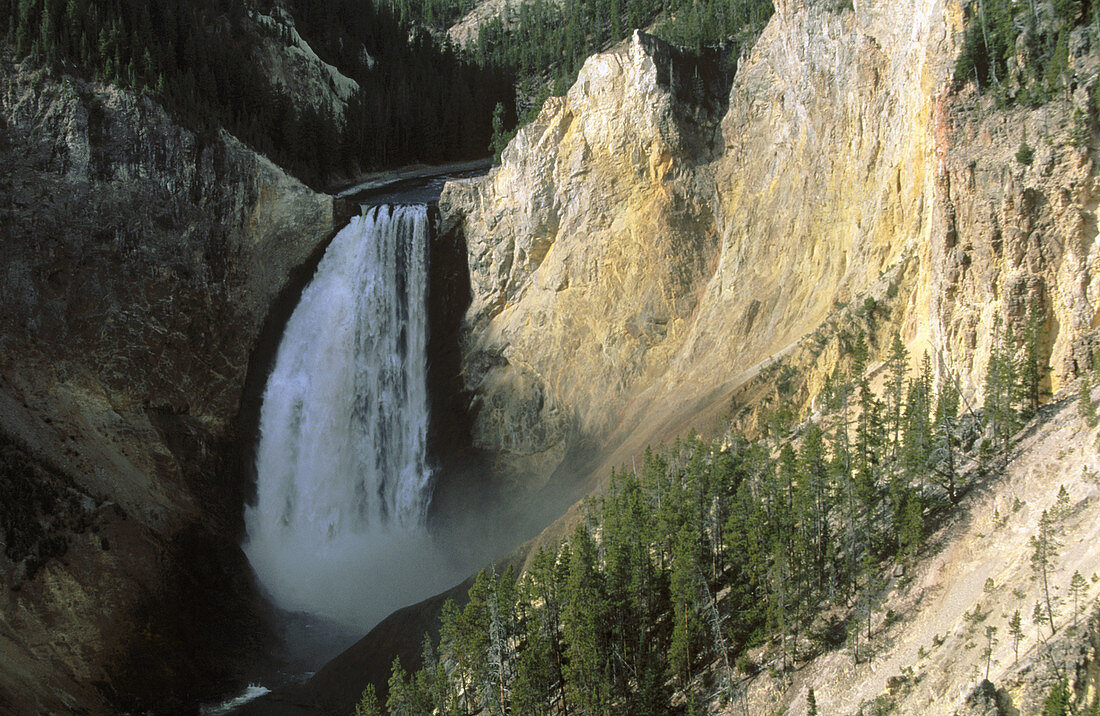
822, 187
587, 248
294, 66
139, 261
1011, 235
643, 252
639, 270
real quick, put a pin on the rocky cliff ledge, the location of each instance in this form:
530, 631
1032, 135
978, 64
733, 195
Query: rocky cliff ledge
646, 250
139, 261
587, 247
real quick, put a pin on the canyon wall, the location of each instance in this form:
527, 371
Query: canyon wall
651, 251
139, 260
660, 251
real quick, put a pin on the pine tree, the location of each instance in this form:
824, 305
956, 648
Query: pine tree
1086, 406
994, 389
464, 639
1078, 588
534, 672
435, 683
1044, 552
911, 532
584, 625
1016, 631
897, 365
1038, 616
747, 562
717, 633
815, 500
1058, 701
841, 467
1002, 387
687, 627
1034, 367
990, 631
539, 664
918, 438
368, 703
869, 585
872, 582
501, 603
868, 449
404, 698
947, 408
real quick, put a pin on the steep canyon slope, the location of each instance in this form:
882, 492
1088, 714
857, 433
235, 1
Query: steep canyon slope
651, 257
139, 264
649, 247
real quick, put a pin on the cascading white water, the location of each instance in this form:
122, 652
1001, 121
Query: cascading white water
342, 478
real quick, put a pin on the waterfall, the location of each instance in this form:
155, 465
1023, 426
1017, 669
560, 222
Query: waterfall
343, 483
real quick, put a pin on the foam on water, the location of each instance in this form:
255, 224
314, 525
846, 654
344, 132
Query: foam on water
343, 483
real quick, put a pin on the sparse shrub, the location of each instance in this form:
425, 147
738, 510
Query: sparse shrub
1086, 406
1025, 154
1057, 702
747, 666
880, 706
1061, 505
975, 616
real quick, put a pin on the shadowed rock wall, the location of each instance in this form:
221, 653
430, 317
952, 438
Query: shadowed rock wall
138, 263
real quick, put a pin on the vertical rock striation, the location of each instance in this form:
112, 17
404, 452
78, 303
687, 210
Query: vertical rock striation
137, 265
646, 248
586, 250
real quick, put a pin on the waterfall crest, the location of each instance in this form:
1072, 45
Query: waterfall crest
343, 483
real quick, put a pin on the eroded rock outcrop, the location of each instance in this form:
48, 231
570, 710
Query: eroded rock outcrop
139, 262
589, 243
641, 255
1012, 235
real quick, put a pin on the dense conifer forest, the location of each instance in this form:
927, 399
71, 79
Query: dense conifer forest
545, 42
420, 99
417, 101
703, 550
1020, 50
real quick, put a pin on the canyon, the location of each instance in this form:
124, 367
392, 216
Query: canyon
649, 246
140, 264
659, 253
661, 250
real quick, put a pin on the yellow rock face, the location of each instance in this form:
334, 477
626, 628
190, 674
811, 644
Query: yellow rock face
643, 251
588, 249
